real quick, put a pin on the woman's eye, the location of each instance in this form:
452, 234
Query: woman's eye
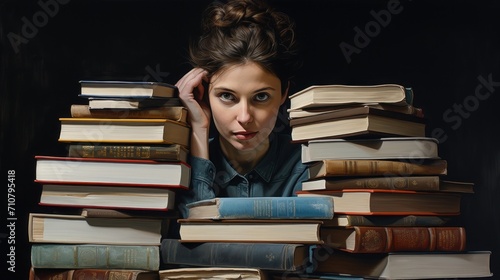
226, 96
261, 96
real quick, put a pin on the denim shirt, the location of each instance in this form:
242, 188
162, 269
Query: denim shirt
279, 173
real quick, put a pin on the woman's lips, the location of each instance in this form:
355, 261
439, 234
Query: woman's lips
244, 135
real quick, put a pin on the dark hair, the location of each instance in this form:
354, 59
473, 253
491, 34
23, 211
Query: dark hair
240, 31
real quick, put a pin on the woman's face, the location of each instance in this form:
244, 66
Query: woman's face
245, 101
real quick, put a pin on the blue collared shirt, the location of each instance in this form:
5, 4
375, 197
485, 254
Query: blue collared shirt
279, 173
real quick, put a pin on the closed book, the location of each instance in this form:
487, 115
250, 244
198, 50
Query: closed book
262, 208
175, 113
99, 103
374, 167
391, 202
76, 229
107, 88
174, 152
329, 95
212, 273
405, 265
130, 131
337, 111
406, 148
373, 125
413, 183
75, 256
389, 220
268, 256
377, 239
270, 231
91, 273
113, 197
130, 172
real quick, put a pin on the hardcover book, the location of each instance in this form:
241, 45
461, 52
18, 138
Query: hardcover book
329, 95
197, 273
94, 88
374, 167
130, 172
175, 113
77, 256
98, 103
270, 231
405, 148
338, 111
262, 208
377, 239
343, 220
76, 229
174, 152
113, 197
268, 256
91, 273
412, 183
130, 131
406, 265
391, 202
373, 125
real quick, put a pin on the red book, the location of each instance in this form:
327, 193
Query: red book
106, 171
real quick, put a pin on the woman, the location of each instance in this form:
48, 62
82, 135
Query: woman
243, 63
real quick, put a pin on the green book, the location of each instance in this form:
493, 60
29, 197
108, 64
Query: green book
70, 256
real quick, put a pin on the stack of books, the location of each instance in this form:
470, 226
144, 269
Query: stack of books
394, 214
249, 235
113, 194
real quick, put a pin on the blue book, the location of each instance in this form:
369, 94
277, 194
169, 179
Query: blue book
318, 207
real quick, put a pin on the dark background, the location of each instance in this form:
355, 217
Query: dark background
443, 49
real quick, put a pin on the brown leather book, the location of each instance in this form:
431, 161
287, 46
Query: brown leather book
87, 273
369, 239
176, 113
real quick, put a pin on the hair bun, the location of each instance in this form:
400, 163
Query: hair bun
237, 13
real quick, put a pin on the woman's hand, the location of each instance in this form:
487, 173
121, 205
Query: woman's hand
191, 93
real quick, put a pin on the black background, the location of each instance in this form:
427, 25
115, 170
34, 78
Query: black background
440, 48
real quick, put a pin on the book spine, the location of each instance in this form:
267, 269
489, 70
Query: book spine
413, 183
272, 256
277, 208
394, 239
70, 256
380, 167
404, 221
124, 151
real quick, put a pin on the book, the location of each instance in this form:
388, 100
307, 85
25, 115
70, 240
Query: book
76, 229
94, 88
360, 125
405, 265
271, 231
406, 148
323, 95
131, 131
412, 183
327, 114
343, 110
342, 220
391, 202
268, 256
114, 197
212, 273
378, 239
262, 208
98, 103
77, 256
374, 167
130, 172
127, 213
91, 273
175, 113
173, 152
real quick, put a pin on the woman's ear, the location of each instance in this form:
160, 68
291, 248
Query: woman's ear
284, 94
